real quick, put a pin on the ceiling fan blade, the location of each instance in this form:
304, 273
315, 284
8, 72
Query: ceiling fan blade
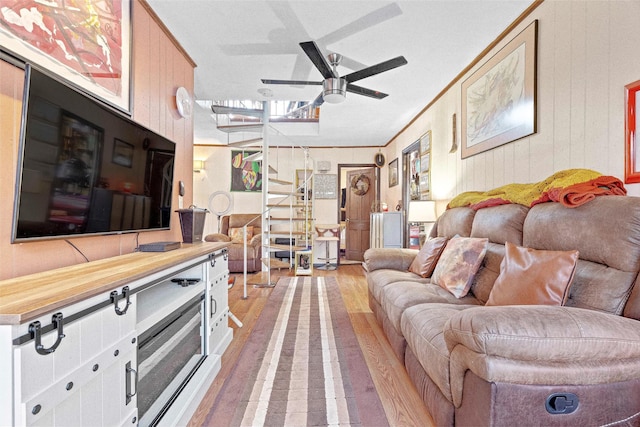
314, 54
366, 92
289, 82
376, 69
318, 101
365, 22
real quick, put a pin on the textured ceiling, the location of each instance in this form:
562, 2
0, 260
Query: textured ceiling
237, 43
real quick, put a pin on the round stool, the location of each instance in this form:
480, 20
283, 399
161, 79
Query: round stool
328, 233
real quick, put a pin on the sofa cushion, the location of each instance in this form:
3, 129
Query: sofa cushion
500, 224
455, 221
237, 233
423, 327
379, 279
488, 272
459, 263
425, 262
395, 299
533, 277
606, 232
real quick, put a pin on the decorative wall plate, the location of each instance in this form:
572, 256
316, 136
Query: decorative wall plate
183, 102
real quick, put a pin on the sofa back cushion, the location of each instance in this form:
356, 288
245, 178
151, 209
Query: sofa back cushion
499, 224
455, 221
606, 232
239, 220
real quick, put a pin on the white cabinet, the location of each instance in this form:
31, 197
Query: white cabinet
386, 230
77, 359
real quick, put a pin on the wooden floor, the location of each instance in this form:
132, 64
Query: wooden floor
399, 397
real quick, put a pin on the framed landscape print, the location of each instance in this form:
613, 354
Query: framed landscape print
499, 98
87, 43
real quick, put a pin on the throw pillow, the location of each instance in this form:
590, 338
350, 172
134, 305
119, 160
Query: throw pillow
459, 264
425, 262
529, 276
236, 234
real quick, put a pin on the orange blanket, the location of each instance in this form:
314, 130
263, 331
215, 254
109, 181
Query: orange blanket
571, 187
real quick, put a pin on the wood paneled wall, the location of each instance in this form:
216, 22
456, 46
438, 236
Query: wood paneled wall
587, 53
159, 67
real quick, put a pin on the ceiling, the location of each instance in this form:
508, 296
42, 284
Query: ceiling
237, 43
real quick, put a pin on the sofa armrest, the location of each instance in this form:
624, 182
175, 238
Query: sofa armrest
541, 345
256, 241
217, 237
389, 258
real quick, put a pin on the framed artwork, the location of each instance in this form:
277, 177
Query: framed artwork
631, 126
425, 162
246, 176
425, 143
393, 173
499, 99
326, 186
87, 43
122, 153
304, 262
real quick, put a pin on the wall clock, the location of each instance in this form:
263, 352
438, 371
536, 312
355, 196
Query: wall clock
379, 159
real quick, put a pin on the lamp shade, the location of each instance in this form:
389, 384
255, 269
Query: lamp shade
422, 211
198, 165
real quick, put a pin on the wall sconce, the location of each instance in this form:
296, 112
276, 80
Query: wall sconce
198, 165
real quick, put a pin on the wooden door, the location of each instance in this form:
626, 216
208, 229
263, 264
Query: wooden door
361, 193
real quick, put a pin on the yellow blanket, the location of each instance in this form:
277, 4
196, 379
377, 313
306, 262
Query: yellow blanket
572, 187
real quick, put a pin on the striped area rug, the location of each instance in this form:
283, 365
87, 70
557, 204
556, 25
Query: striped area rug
301, 366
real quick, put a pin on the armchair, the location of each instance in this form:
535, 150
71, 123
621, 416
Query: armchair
231, 231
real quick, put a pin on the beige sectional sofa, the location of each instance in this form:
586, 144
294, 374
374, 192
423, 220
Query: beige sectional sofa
508, 365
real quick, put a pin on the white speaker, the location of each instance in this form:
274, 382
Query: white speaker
324, 166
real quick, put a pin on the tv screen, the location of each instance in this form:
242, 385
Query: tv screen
85, 168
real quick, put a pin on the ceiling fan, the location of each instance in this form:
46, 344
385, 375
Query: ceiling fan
334, 87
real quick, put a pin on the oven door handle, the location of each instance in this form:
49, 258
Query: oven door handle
128, 370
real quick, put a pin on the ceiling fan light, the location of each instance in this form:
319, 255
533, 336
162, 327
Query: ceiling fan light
334, 91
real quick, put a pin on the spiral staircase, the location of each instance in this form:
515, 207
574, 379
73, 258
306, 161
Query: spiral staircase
287, 201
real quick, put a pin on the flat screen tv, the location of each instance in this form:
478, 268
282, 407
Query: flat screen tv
86, 169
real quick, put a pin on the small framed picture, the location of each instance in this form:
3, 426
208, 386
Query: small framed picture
122, 153
393, 173
304, 262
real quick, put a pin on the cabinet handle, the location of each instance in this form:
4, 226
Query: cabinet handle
214, 303
36, 334
128, 370
114, 299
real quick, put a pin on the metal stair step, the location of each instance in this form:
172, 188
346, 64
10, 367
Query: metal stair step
222, 109
280, 181
272, 247
276, 263
282, 193
285, 233
283, 205
241, 128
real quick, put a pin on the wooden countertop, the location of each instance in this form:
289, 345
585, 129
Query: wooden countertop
28, 297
